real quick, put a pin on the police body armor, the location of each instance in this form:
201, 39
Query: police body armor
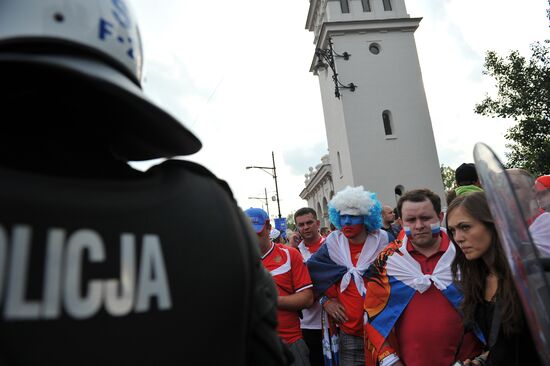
111, 266
158, 270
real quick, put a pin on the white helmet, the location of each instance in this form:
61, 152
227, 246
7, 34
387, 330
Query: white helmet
98, 42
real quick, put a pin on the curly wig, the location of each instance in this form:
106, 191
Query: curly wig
358, 201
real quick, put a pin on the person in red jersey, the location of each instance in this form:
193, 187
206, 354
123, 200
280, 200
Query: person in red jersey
293, 283
412, 302
308, 227
338, 267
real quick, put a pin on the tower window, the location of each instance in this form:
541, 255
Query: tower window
387, 5
386, 119
366, 5
344, 4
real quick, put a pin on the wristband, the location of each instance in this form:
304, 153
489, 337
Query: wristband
389, 360
323, 299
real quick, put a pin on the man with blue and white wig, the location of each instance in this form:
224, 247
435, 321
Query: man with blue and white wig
338, 267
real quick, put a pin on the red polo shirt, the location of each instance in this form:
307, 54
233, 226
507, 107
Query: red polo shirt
430, 329
313, 248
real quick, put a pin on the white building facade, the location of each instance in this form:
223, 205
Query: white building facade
319, 189
379, 135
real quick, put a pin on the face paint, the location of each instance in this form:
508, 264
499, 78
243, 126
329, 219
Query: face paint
436, 229
408, 232
351, 231
348, 220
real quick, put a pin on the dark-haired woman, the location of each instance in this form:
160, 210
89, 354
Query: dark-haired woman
482, 272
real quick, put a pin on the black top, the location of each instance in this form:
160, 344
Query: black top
391, 234
517, 349
156, 269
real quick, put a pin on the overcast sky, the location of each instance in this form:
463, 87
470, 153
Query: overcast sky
237, 74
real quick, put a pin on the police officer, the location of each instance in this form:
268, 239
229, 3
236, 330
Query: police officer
102, 264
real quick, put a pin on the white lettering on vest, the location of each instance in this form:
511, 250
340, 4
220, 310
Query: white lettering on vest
152, 276
16, 306
76, 305
119, 295
64, 289
52, 277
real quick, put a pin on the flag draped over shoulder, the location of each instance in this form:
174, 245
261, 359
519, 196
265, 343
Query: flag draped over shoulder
394, 277
332, 262
331, 341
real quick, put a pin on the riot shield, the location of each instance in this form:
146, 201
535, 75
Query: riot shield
511, 197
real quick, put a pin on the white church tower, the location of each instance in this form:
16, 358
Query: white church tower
379, 134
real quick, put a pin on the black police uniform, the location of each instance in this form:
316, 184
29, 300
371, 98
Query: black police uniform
216, 304
107, 265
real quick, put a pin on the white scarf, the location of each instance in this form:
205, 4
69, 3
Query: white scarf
407, 270
339, 252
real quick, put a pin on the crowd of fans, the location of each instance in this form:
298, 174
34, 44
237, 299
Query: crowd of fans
409, 285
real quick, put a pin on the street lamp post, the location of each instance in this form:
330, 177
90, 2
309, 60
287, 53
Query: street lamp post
262, 199
274, 175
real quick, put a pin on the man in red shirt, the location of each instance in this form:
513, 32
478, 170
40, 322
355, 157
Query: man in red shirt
308, 227
293, 285
411, 300
337, 268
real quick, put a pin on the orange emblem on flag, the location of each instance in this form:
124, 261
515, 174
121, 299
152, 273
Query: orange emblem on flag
378, 286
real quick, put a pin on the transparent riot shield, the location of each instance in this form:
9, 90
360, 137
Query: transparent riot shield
511, 197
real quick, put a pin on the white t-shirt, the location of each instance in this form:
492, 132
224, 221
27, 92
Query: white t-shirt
540, 232
311, 317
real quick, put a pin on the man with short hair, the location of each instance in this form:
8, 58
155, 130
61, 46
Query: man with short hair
338, 267
388, 218
411, 301
466, 179
308, 227
293, 283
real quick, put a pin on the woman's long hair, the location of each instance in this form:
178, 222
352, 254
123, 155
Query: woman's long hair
473, 273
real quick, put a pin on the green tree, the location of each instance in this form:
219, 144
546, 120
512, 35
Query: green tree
523, 94
290, 224
448, 176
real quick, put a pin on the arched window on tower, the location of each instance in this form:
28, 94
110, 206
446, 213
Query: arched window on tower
387, 5
344, 5
366, 5
388, 123
339, 164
